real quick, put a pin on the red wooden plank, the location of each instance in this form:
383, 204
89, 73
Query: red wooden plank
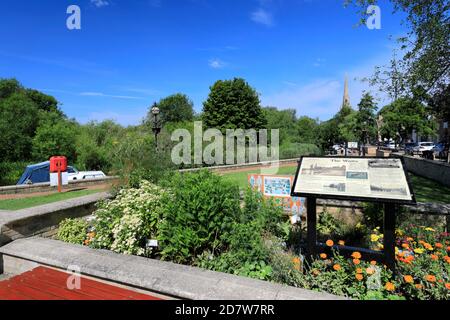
45, 286
6, 294
104, 290
44, 283
30, 292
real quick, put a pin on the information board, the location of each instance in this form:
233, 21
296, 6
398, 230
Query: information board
279, 189
371, 179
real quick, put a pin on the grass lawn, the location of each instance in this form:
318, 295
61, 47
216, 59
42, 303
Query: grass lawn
424, 189
17, 204
240, 178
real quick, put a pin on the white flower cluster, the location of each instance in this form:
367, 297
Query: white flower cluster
125, 223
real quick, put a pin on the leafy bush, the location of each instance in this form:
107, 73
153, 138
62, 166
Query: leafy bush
296, 150
126, 223
205, 207
10, 172
73, 231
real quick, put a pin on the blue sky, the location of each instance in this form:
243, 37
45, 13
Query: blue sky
128, 54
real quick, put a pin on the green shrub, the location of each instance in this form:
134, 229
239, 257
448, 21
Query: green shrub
205, 207
73, 231
10, 172
290, 150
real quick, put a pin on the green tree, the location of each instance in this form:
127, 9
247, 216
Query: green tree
425, 67
18, 122
174, 108
233, 104
366, 119
404, 115
284, 120
55, 138
307, 130
21, 112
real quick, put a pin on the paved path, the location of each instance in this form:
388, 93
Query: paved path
44, 283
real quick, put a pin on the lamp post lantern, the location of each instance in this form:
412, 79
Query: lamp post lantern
156, 123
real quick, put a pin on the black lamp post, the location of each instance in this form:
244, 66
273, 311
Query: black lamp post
156, 123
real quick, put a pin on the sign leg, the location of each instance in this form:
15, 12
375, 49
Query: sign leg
389, 235
311, 211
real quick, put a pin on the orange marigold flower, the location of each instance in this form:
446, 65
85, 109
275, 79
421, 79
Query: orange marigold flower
439, 245
356, 261
373, 262
329, 243
408, 279
341, 242
405, 246
337, 267
448, 248
359, 276
447, 285
430, 278
434, 257
409, 239
359, 270
447, 259
419, 286
323, 255
389, 286
356, 255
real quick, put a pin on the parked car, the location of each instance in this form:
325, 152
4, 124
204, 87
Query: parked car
441, 150
409, 147
390, 145
74, 174
423, 147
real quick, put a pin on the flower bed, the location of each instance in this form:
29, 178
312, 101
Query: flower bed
198, 219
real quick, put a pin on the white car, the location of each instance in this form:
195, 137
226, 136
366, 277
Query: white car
74, 174
424, 146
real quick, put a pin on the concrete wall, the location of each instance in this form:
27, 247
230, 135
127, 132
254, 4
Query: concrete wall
44, 220
45, 187
433, 170
166, 278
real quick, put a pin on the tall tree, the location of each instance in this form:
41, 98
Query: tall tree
233, 104
284, 120
402, 117
366, 119
425, 67
175, 108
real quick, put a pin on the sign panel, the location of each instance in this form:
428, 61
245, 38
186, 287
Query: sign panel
352, 145
371, 179
279, 189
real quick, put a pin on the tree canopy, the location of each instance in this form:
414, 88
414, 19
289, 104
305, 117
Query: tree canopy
174, 108
233, 104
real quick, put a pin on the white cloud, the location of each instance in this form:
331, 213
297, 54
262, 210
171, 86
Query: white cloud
100, 3
217, 64
100, 94
263, 17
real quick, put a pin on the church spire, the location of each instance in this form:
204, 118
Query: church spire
346, 100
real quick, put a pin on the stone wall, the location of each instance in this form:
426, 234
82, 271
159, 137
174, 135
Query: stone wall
433, 170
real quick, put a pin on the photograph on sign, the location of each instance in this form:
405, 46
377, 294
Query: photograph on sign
370, 178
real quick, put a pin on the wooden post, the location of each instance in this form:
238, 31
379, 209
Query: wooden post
59, 180
311, 211
389, 235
